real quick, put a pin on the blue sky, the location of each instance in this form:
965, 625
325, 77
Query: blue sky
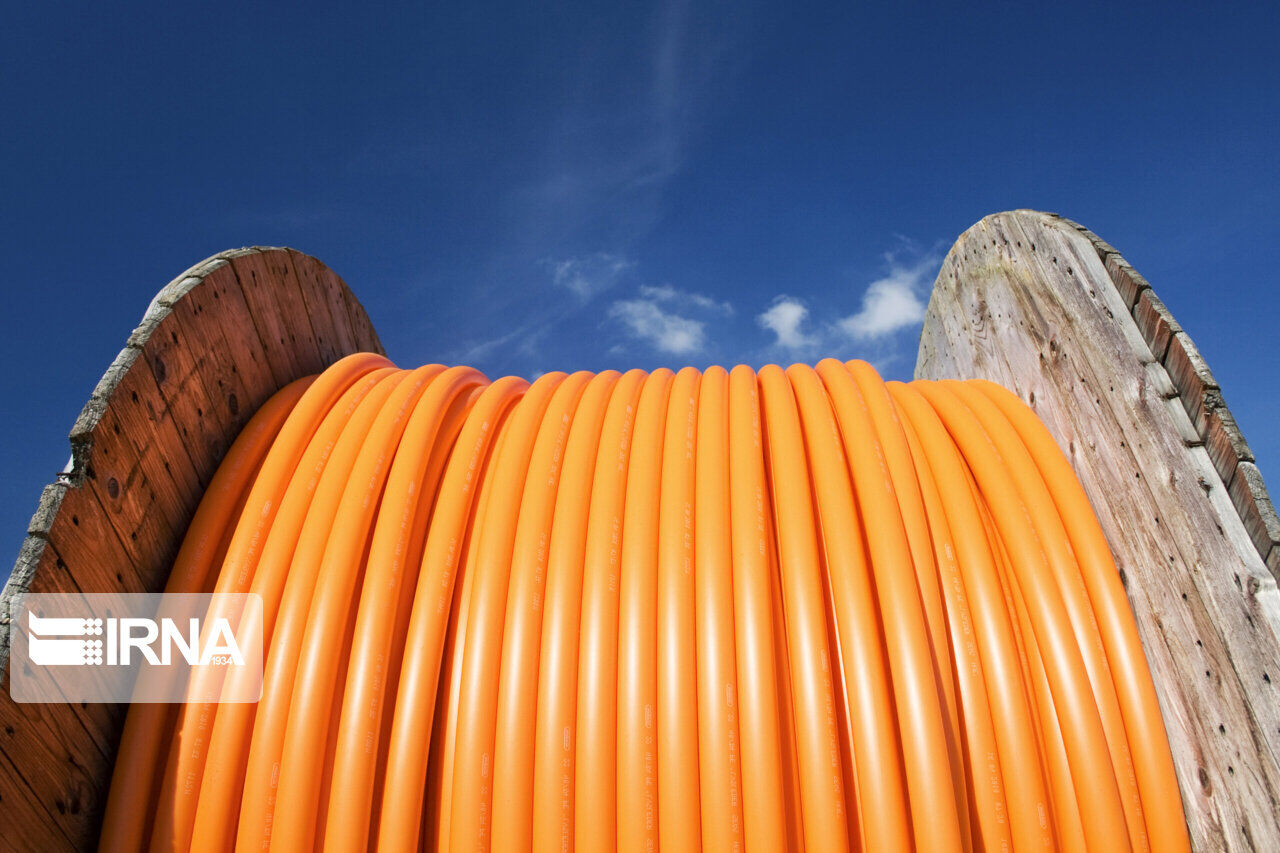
609, 185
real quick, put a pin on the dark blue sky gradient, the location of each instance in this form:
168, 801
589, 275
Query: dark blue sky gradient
524, 188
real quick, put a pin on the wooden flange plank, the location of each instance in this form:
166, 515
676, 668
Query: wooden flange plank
276, 316
325, 303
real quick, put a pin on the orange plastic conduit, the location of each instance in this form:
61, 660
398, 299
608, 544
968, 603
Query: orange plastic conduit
799, 609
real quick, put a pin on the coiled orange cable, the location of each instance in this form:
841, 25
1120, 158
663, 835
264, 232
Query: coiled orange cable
798, 609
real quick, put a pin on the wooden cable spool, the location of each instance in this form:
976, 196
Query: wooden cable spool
1026, 299
1044, 307
212, 347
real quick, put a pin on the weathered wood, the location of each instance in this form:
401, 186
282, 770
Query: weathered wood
1042, 306
1155, 322
1256, 509
277, 316
1201, 397
213, 345
229, 312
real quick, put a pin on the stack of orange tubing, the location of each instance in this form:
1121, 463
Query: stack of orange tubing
802, 609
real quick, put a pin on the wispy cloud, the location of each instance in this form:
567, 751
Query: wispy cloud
684, 298
662, 317
522, 339
610, 154
589, 275
587, 182
893, 302
669, 319
586, 277
664, 331
785, 318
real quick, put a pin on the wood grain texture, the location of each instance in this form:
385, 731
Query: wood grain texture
1044, 307
212, 346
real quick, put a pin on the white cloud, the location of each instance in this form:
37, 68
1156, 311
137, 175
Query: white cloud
684, 298
589, 275
891, 303
664, 331
785, 318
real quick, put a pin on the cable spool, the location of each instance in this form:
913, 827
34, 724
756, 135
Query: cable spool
1028, 300
798, 609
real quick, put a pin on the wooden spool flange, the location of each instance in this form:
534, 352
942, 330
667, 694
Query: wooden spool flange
1042, 306
212, 347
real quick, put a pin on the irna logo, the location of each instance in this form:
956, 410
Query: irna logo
70, 641
133, 647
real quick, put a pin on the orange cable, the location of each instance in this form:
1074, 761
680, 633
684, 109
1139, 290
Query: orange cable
800, 609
